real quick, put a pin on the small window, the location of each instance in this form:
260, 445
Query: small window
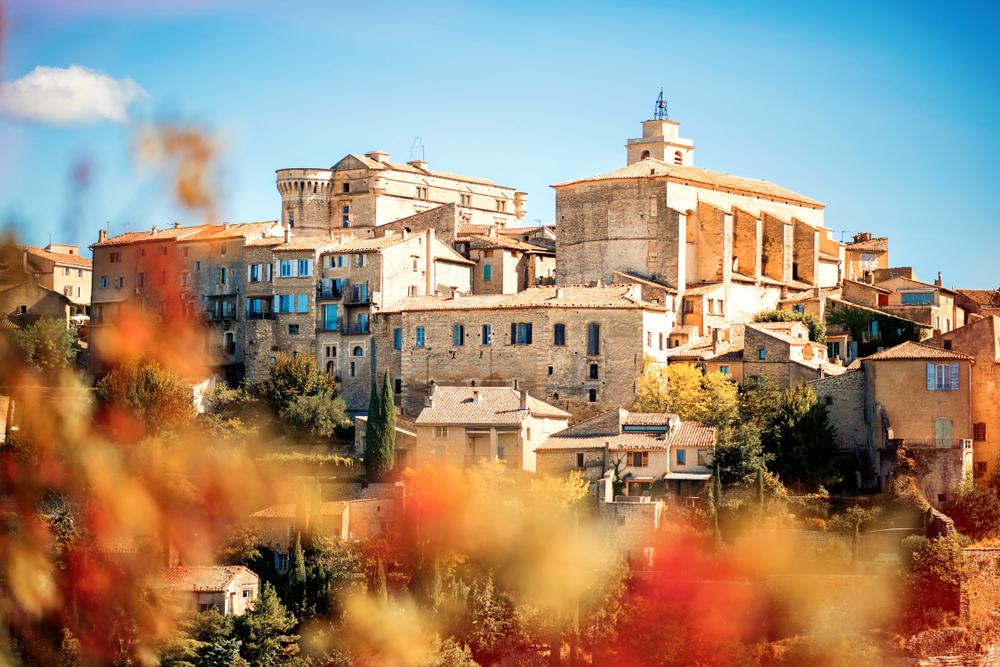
559, 334
640, 459
458, 335
551, 370
724, 370
487, 334
593, 396
703, 457
354, 369
421, 192
593, 339
397, 339
579, 459
358, 351
345, 216
465, 200
799, 308
440, 431
419, 338
293, 329
487, 272
593, 371
416, 264
681, 457
345, 188
398, 386
762, 353
980, 470
979, 431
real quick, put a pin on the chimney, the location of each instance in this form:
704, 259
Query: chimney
429, 401
288, 234
492, 231
177, 225
154, 229
560, 292
716, 339
102, 235
406, 232
937, 283
379, 156
524, 399
476, 397
419, 164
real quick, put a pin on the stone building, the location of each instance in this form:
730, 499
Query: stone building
643, 450
729, 246
580, 348
865, 255
779, 351
914, 396
369, 191
200, 269
465, 426
981, 340
60, 268
25, 302
316, 295
978, 302
228, 589
930, 304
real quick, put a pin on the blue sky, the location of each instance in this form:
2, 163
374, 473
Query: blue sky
886, 112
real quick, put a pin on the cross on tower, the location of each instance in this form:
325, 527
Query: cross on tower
660, 110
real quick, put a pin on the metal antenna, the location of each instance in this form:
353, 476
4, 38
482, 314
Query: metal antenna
417, 145
660, 110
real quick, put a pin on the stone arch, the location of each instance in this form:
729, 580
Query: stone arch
644, 156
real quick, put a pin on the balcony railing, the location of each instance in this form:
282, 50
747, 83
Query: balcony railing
260, 316
358, 297
218, 316
355, 328
347, 328
326, 289
943, 443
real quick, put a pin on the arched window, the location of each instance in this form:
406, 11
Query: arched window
678, 158
644, 156
331, 368
358, 351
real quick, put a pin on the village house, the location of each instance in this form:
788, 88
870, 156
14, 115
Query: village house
581, 348
929, 304
465, 426
978, 302
634, 522
915, 396
779, 351
866, 254
24, 302
340, 520
60, 268
366, 191
229, 589
981, 340
198, 269
649, 453
729, 246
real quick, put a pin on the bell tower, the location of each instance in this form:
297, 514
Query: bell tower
661, 139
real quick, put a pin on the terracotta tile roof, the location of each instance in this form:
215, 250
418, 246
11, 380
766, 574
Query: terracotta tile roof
496, 405
502, 242
701, 289
399, 166
370, 245
232, 231
704, 349
171, 233
307, 243
810, 295
606, 429
287, 510
878, 244
854, 365
840, 303
614, 297
205, 578
469, 229
58, 257
653, 168
911, 350
628, 276
983, 297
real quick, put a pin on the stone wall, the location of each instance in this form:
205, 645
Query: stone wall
979, 597
844, 397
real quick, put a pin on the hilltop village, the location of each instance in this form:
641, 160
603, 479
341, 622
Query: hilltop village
628, 345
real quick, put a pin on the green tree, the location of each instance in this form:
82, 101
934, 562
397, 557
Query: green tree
817, 329
380, 432
224, 653
295, 584
800, 438
976, 512
934, 579
159, 400
290, 377
721, 400
316, 416
47, 344
491, 621
683, 389
740, 453
265, 631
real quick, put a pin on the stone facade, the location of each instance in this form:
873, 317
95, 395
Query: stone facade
981, 340
370, 190
60, 268
582, 376
687, 227
979, 594
844, 397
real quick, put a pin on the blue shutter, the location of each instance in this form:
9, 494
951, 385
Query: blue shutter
954, 377
513, 333
303, 303
930, 377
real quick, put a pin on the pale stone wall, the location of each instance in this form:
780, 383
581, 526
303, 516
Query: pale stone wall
569, 384
980, 587
563, 461
372, 517
844, 398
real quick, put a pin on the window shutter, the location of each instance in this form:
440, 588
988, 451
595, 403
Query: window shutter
276, 305
954, 377
528, 334
249, 272
513, 333
930, 377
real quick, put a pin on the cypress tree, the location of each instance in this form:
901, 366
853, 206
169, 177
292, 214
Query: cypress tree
295, 586
388, 434
372, 437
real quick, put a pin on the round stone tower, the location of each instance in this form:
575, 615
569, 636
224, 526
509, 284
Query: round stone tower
305, 199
